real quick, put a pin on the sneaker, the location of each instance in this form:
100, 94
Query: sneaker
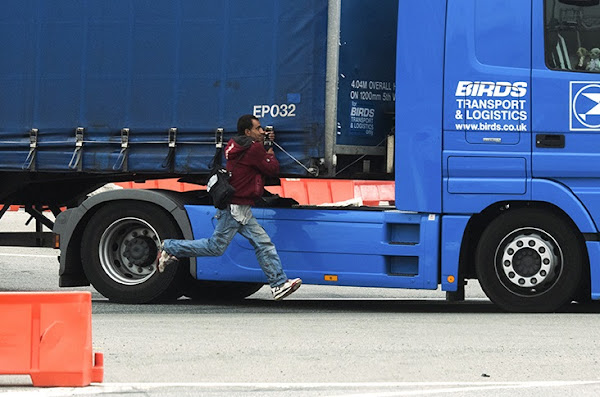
164, 260
281, 291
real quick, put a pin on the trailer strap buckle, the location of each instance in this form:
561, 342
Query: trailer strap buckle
29, 161
75, 162
170, 159
121, 163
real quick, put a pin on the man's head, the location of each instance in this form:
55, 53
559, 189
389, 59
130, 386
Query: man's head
249, 125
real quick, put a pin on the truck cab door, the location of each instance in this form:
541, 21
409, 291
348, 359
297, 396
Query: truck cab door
566, 100
487, 139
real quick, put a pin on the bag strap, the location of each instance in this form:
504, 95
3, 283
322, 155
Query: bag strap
217, 160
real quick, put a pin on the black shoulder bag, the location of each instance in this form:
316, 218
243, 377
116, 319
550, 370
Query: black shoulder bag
218, 185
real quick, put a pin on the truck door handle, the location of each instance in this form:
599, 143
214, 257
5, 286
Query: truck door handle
556, 141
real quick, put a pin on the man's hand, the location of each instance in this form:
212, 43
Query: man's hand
270, 136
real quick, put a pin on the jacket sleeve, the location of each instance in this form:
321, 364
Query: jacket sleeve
265, 162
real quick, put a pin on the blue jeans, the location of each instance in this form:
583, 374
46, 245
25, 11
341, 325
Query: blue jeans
226, 229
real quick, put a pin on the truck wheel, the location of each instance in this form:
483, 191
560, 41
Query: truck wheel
529, 260
219, 290
119, 248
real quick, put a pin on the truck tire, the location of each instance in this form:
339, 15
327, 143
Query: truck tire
204, 290
529, 260
119, 248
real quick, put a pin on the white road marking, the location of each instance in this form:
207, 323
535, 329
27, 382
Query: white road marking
28, 255
469, 389
416, 387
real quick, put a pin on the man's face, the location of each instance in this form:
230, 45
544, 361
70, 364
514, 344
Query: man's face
256, 133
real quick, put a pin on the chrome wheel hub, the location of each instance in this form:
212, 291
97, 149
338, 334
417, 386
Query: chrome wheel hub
128, 250
530, 259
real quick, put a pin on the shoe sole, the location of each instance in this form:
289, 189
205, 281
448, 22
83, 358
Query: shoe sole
161, 266
290, 291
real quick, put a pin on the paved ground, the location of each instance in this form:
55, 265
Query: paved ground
326, 341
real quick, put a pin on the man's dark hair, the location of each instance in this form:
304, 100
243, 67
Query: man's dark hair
244, 123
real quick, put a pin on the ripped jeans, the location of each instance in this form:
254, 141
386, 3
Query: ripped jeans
226, 229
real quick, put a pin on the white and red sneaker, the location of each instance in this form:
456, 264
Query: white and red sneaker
281, 291
164, 259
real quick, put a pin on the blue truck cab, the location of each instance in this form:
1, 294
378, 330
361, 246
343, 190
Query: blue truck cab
496, 168
506, 121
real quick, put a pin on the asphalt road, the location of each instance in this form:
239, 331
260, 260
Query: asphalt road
325, 341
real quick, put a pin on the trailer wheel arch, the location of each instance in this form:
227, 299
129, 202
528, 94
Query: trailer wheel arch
119, 250
71, 223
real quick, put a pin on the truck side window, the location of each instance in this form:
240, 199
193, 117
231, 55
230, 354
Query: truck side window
572, 35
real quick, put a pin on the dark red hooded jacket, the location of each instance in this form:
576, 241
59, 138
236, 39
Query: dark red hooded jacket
249, 163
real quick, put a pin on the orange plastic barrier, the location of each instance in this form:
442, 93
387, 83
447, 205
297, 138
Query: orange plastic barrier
304, 191
49, 337
168, 184
18, 207
317, 191
321, 191
375, 193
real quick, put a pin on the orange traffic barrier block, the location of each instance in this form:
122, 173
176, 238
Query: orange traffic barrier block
318, 191
171, 184
296, 189
11, 207
375, 193
167, 184
274, 190
341, 190
48, 335
304, 191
